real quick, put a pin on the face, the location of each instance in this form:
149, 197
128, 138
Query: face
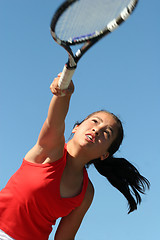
96, 134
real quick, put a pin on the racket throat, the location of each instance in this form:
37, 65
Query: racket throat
71, 64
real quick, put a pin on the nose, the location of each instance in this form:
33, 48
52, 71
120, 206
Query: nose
95, 131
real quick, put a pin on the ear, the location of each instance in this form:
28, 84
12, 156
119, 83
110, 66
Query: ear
75, 129
104, 156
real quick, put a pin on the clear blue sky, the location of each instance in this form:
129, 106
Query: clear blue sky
121, 74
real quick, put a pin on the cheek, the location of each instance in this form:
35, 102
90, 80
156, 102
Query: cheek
106, 143
83, 128
78, 132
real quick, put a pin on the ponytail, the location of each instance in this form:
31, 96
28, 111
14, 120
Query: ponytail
125, 177
119, 172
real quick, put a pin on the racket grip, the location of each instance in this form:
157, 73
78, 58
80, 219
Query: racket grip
66, 77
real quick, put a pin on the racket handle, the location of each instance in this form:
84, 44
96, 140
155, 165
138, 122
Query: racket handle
66, 77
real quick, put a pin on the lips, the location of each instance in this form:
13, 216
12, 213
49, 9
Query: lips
90, 137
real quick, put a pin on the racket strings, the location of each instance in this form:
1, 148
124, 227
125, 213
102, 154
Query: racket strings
86, 17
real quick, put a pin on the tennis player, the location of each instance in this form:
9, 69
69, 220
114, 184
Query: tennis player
52, 181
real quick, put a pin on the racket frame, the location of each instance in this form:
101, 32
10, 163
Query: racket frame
88, 40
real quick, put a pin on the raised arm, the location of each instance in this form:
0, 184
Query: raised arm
51, 140
52, 132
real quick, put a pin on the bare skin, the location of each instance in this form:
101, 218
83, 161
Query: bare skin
91, 140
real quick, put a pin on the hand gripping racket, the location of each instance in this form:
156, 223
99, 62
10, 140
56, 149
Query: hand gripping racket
86, 22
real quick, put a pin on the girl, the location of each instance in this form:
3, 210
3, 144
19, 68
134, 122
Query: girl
52, 181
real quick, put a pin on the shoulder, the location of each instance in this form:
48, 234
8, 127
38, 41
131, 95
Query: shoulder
40, 154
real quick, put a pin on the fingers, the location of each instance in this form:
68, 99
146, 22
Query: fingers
57, 91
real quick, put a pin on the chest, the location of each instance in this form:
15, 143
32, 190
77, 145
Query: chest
71, 184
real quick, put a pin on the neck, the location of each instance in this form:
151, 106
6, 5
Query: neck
76, 157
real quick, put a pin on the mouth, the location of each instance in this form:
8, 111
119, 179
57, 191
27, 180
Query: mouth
90, 138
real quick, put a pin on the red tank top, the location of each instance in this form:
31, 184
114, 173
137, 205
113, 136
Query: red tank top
31, 202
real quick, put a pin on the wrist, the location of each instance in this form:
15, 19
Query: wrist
62, 92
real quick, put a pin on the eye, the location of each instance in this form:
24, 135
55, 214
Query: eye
108, 133
95, 120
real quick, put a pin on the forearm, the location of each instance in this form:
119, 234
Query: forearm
52, 132
57, 111
59, 104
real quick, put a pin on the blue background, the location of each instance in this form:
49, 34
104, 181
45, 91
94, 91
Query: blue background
121, 74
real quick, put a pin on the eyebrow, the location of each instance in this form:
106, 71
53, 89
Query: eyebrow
100, 119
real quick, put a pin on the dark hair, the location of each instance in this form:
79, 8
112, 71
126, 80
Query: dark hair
120, 172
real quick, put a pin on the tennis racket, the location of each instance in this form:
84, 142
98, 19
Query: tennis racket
86, 22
